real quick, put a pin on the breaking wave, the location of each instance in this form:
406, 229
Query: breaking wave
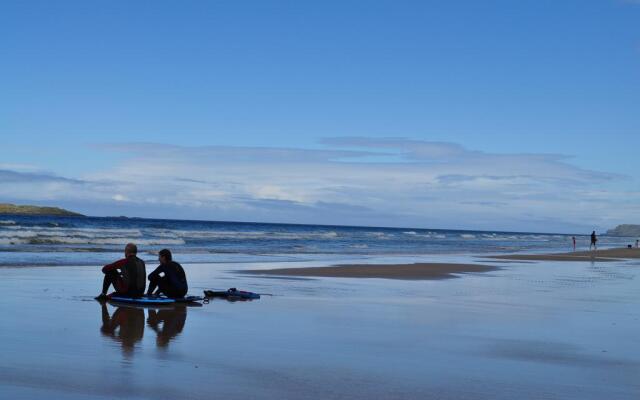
38, 237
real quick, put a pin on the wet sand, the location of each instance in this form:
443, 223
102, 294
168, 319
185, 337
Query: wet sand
548, 330
607, 255
416, 271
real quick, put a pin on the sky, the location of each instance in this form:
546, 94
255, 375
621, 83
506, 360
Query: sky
496, 115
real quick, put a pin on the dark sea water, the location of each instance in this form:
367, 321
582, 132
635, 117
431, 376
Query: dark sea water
38, 240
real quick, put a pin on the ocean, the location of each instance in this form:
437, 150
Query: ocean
45, 240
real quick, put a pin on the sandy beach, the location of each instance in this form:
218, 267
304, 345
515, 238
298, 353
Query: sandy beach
529, 331
416, 271
426, 271
526, 326
607, 255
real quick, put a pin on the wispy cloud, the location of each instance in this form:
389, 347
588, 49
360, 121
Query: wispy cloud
353, 180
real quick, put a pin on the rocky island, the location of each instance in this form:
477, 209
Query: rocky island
14, 209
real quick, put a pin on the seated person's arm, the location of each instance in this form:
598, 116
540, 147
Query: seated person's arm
156, 273
115, 266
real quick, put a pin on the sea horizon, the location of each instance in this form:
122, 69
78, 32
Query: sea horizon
222, 221
87, 240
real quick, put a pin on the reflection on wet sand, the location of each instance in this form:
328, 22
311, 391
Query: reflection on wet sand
167, 323
127, 324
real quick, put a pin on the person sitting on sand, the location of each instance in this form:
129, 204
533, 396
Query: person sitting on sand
594, 241
127, 275
173, 282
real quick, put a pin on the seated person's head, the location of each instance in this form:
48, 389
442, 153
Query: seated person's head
130, 250
164, 256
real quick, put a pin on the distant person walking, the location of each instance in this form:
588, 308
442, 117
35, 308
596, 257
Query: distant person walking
637, 243
594, 241
573, 238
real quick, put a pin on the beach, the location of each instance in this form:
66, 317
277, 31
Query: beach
345, 313
606, 255
421, 271
415, 271
552, 330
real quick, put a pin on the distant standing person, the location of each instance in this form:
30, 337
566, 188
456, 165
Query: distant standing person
169, 277
637, 243
127, 275
573, 238
594, 241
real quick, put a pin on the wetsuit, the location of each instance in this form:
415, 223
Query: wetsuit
127, 277
172, 284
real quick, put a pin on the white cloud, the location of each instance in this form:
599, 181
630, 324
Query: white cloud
19, 167
392, 181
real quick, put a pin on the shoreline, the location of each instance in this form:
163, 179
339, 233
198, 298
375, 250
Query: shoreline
606, 255
436, 271
416, 271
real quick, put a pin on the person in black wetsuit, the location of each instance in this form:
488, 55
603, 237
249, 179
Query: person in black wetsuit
169, 278
594, 241
126, 275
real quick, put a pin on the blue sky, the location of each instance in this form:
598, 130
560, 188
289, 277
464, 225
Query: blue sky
465, 114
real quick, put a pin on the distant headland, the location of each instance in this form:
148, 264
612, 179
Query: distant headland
14, 209
625, 230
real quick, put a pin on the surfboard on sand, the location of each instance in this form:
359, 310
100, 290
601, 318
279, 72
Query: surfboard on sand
154, 300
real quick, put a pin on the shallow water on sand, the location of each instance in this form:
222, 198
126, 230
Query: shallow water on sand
529, 331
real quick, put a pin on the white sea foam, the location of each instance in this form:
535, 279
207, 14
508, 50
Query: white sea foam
75, 235
378, 235
103, 241
240, 235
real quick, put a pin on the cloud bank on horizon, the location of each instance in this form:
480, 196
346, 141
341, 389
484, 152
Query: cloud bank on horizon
350, 180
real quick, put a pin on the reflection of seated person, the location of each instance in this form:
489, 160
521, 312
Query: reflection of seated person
169, 277
172, 320
126, 326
